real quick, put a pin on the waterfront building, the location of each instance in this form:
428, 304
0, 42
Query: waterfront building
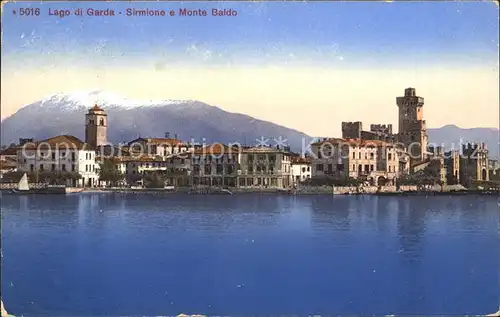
64, 153
215, 165
301, 169
373, 161
8, 160
265, 167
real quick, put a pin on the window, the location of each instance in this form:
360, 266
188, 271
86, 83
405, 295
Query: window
41, 167
86, 168
372, 156
359, 156
53, 167
390, 156
53, 155
32, 167
353, 155
366, 156
73, 167
101, 122
303, 169
64, 167
73, 158
319, 167
308, 169
371, 168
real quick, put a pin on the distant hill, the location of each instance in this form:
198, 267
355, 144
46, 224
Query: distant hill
189, 119
451, 136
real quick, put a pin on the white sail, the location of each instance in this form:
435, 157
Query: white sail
23, 183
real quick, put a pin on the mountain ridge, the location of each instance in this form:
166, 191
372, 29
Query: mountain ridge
190, 119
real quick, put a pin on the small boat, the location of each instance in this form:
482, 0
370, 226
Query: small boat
23, 186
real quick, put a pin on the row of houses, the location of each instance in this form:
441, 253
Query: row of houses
182, 164
373, 157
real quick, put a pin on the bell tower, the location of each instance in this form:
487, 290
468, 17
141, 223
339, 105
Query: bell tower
412, 131
96, 127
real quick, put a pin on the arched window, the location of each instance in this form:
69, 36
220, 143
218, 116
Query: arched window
101, 122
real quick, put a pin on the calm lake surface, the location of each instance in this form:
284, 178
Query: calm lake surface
147, 254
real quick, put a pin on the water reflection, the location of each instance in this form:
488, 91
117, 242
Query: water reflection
411, 227
332, 213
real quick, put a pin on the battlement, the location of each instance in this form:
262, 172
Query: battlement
474, 148
410, 98
382, 128
437, 151
352, 130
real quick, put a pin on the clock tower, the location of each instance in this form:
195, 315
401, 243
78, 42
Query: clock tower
412, 131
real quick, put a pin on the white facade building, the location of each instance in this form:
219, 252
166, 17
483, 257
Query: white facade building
301, 170
63, 153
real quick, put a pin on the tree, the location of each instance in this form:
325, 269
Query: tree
108, 171
154, 180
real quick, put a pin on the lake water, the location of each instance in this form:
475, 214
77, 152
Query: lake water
146, 254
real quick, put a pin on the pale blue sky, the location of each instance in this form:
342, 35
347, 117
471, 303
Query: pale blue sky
270, 61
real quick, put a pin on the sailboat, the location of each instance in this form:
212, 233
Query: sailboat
22, 186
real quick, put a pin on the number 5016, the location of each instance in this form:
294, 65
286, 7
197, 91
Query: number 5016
29, 11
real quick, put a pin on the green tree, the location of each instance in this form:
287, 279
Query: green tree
109, 173
154, 180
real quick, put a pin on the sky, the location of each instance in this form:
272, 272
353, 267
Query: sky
304, 65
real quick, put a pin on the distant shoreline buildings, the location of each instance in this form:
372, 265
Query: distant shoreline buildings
378, 156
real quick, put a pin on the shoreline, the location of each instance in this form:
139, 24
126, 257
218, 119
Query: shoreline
318, 191
301, 191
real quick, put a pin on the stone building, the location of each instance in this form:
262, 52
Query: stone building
452, 164
354, 130
374, 161
412, 131
96, 127
474, 163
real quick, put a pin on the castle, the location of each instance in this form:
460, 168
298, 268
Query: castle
412, 138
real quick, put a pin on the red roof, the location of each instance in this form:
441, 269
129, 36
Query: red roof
158, 141
59, 142
217, 149
9, 151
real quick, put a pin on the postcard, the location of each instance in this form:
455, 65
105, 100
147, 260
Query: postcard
243, 158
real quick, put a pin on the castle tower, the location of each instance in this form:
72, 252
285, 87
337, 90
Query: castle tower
96, 127
412, 130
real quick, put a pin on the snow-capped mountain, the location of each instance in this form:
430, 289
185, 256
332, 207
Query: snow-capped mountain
82, 100
127, 119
